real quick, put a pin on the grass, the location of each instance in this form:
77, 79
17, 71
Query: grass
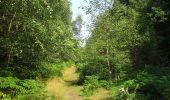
65, 88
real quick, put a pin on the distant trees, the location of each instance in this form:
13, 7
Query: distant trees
77, 26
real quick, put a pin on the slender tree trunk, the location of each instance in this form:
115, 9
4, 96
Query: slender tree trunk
117, 75
8, 34
8, 58
10, 24
108, 62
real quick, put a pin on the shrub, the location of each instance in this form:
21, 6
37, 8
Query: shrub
15, 88
106, 84
50, 69
97, 68
91, 83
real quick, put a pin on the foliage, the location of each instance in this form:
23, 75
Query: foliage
36, 41
144, 86
91, 69
130, 41
77, 27
90, 84
128, 51
51, 69
12, 87
34, 32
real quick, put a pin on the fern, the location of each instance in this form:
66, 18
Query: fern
11, 87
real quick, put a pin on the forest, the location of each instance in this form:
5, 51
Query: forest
126, 57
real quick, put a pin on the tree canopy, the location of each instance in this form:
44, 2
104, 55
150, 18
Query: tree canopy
128, 52
129, 43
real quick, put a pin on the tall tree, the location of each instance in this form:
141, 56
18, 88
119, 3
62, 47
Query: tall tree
33, 31
77, 27
132, 38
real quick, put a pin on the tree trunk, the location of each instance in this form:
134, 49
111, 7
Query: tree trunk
108, 62
117, 75
8, 54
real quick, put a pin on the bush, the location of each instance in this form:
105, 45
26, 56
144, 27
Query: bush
97, 68
91, 83
50, 69
106, 84
153, 86
15, 88
145, 86
120, 91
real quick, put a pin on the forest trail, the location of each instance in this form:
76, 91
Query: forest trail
65, 88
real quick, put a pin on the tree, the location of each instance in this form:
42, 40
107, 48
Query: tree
34, 31
77, 27
132, 38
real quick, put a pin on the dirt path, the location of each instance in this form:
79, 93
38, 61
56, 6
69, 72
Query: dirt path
65, 88
73, 91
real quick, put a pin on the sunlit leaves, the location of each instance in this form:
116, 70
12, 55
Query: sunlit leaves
40, 30
158, 15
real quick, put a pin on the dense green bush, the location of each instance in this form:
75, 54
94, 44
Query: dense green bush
14, 88
153, 86
51, 69
144, 86
97, 67
91, 83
